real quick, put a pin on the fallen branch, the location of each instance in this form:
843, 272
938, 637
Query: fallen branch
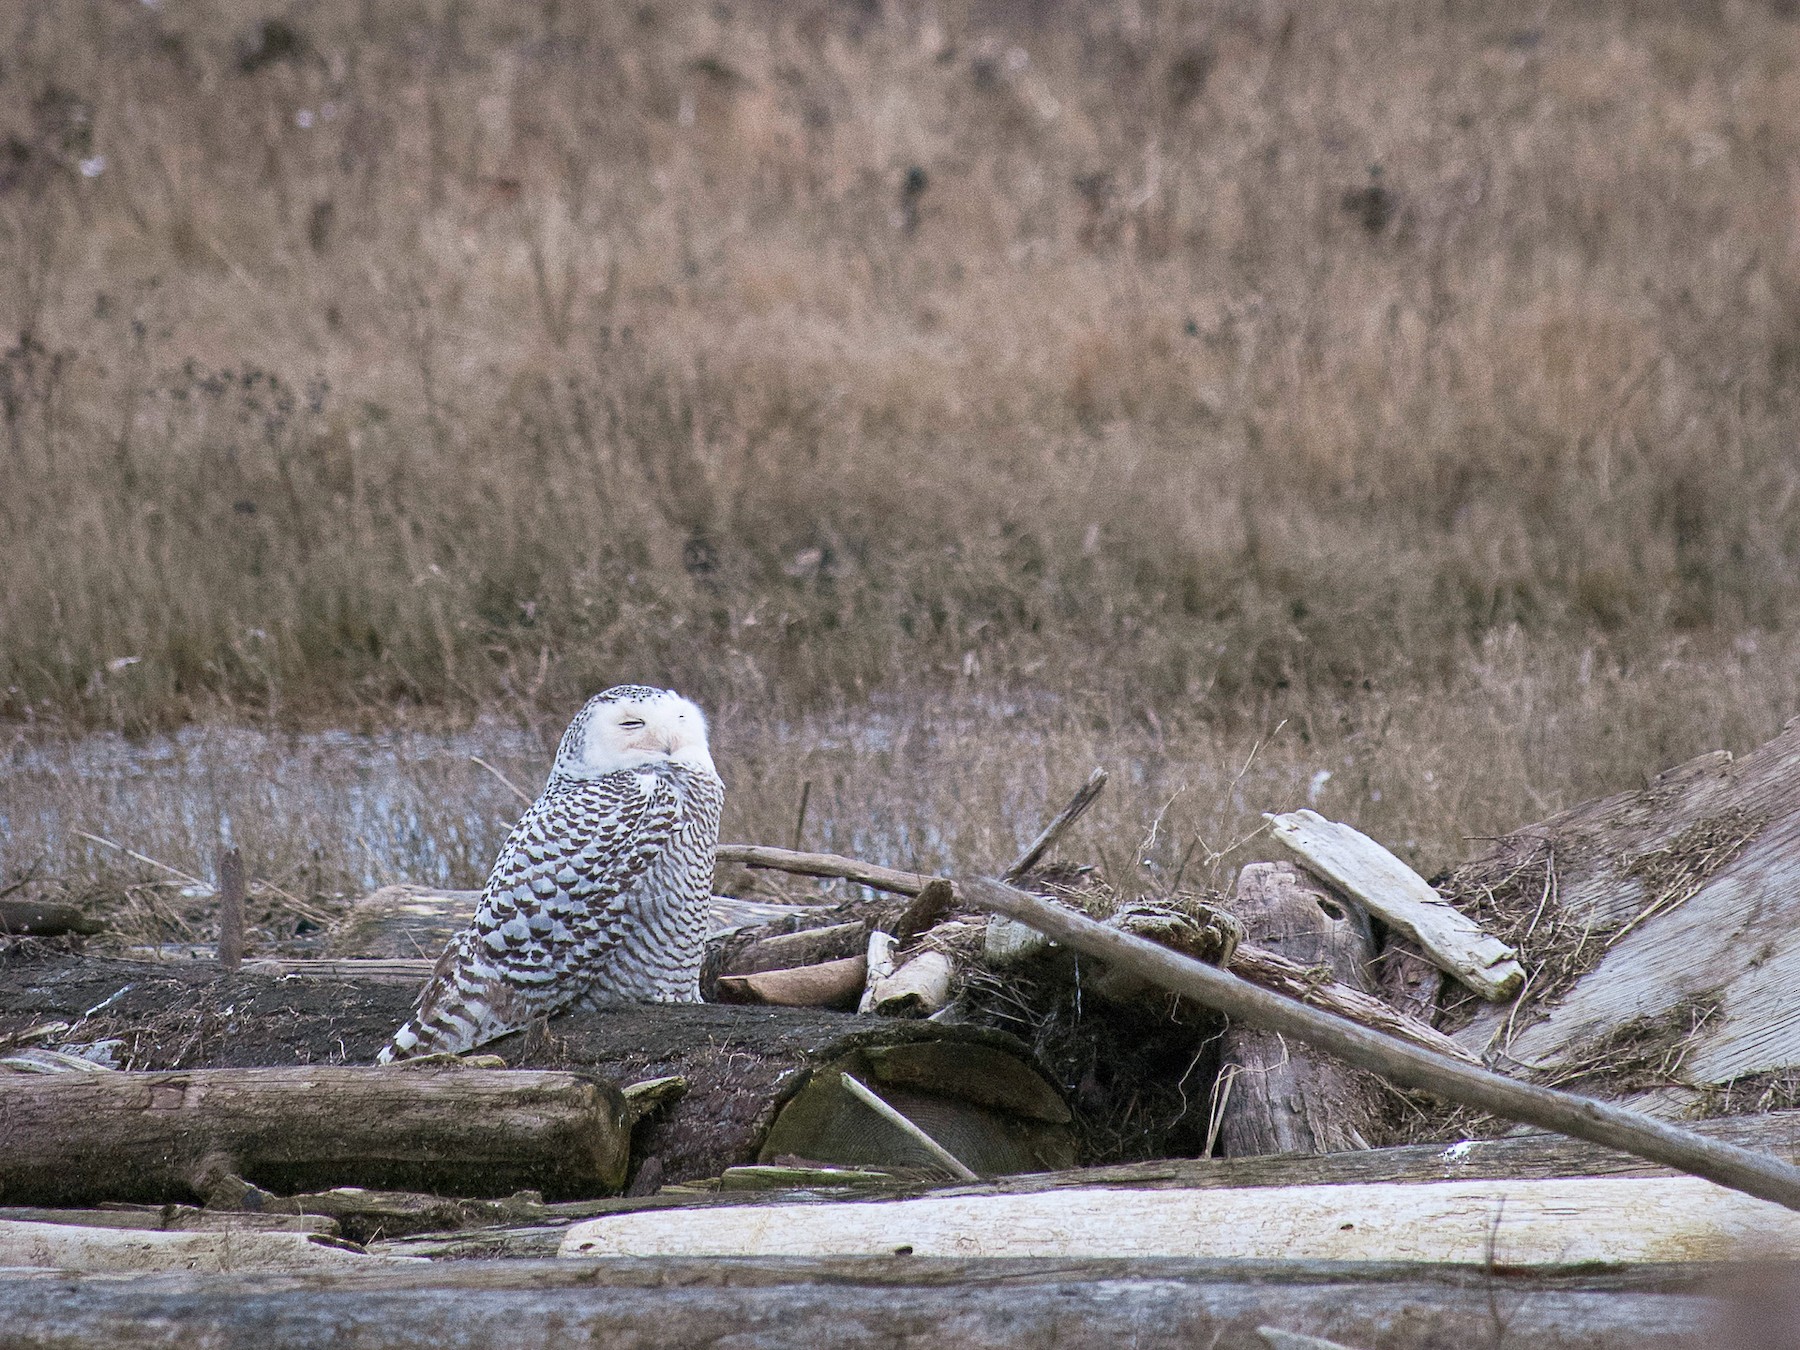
38, 918
832, 865
1599, 1122
1059, 824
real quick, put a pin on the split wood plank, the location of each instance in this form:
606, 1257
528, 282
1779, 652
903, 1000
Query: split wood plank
1515, 1224
1599, 1122
59, 1246
862, 1304
1709, 851
75, 1138
1402, 899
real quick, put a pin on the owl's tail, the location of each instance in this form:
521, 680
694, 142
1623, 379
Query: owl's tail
464, 1004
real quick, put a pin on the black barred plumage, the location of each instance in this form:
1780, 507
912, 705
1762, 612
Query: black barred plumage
601, 892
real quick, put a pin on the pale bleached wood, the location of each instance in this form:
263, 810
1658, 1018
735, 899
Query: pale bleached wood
917, 988
825, 984
878, 965
1725, 944
1583, 1118
74, 1138
175, 1219
1522, 1223
1403, 900
59, 1246
863, 1304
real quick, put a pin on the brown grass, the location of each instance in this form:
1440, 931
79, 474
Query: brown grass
1419, 380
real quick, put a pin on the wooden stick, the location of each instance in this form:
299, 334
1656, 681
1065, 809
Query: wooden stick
1064, 818
948, 1160
872, 875
505, 782
1579, 1117
231, 908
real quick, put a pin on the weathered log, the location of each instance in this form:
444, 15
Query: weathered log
862, 1304
1764, 1177
918, 988
1402, 899
231, 908
1604, 1221
829, 865
75, 1138
1277, 1096
1659, 924
60, 1246
42, 918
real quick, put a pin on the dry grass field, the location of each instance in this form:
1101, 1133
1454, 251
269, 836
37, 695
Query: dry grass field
951, 396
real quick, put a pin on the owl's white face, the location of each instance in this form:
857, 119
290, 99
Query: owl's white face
658, 725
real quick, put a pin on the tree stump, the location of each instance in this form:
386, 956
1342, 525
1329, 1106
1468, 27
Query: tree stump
1275, 1095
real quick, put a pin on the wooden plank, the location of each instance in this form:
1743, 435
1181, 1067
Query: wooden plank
1403, 900
1583, 1118
175, 1219
74, 1138
1684, 890
862, 1304
58, 1246
1516, 1224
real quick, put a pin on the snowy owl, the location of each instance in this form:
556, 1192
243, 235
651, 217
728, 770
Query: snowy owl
601, 892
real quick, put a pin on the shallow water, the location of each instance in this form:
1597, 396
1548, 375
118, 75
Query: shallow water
927, 785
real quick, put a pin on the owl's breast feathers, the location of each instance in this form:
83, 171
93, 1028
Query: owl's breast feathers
600, 893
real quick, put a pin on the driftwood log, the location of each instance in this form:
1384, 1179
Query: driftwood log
1660, 930
1516, 1224
1599, 1122
63, 1246
867, 1303
75, 1138
1281, 1096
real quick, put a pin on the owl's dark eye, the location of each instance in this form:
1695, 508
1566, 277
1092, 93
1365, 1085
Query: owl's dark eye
632, 723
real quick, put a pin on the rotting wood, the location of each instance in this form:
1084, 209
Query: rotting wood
1611, 1221
1275, 1095
1300, 982
1659, 928
1403, 900
1409, 983
74, 1138
1602, 1123
231, 908
43, 918
938, 1153
864, 1303
59, 1246
379, 970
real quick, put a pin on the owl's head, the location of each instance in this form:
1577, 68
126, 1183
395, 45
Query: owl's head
631, 726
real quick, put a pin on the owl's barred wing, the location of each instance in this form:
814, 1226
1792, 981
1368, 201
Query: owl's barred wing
555, 903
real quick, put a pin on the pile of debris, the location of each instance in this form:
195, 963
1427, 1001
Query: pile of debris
966, 1069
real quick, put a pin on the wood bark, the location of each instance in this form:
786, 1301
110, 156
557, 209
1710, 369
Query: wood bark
1402, 899
1282, 1096
1409, 982
1602, 1221
863, 1304
76, 1138
1598, 1122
